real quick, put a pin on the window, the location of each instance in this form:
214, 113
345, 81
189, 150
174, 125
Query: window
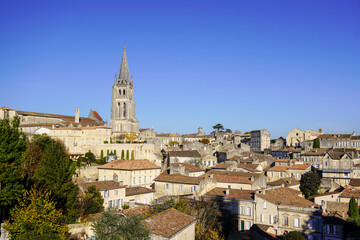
242, 210
248, 225
264, 205
181, 187
145, 179
110, 204
248, 211
296, 222
281, 174
286, 221
117, 203
166, 186
334, 164
270, 219
271, 174
134, 180
310, 224
297, 175
193, 188
139, 180
331, 229
104, 178
116, 192
261, 217
105, 193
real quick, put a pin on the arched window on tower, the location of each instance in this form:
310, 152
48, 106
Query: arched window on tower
119, 110
124, 109
124, 92
120, 92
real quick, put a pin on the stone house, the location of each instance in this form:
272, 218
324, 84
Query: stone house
348, 193
181, 185
240, 203
297, 170
112, 192
190, 156
314, 157
139, 195
130, 172
238, 180
276, 172
145, 134
337, 167
290, 153
208, 161
186, 169
286, 211
339, 141
172, 225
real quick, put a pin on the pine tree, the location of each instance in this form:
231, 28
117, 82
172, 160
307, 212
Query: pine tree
55, 174
127, 155
12, 146
316, 143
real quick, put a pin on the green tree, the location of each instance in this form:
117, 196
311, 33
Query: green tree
205, 141
207, 214
91, 203
310, 183
55, 173
127, 154
293, 235
12, 147
122, 154
107, 152
112, 226
30, 163
36, 217
90, 155
316, 143
132, 155
218, 127
353, 209
173, 143
102, 154
115, 152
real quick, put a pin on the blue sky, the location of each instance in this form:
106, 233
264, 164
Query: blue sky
246, 64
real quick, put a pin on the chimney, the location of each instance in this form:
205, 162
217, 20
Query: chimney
228, 190
77, 115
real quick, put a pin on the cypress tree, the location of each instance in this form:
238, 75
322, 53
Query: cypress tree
132, 155
115, 151
353, 209
316, 143
122, 154
127, 155
102, 154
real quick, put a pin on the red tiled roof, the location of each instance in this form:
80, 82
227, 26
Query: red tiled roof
278, 168
129, 191
289, 181
233, 193
101, 185
350, 192
168, 223
299, 166
178, 178
285, 196
97, 116
130, 165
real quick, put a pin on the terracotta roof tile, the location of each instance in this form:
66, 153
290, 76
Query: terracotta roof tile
189, 153
178, 178
350, 192
289, 181
233, 193
168, 223
130, 165
233, 177
285, 196
299, 167
278, 168
189, 167
101, 185
355, 182
129, 191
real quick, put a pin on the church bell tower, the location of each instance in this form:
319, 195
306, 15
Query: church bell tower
123, 119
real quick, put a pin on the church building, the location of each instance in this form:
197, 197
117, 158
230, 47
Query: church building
123, 119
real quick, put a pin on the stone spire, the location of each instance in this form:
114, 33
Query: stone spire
124, 69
